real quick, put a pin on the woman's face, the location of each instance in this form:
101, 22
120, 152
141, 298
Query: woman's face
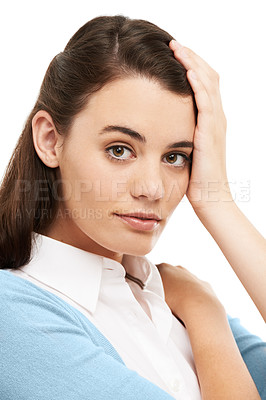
108, 172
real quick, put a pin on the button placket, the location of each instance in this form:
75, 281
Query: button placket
163, 365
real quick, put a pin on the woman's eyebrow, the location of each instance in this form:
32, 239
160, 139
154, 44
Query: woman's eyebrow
182, 143
137, 136
123, 129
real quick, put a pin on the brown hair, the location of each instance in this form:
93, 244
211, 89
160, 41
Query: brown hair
103, 50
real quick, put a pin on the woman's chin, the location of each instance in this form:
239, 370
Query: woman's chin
137, 248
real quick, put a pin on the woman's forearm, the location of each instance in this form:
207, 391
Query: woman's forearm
221, 370
242, 245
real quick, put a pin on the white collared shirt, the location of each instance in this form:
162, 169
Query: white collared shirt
137, 322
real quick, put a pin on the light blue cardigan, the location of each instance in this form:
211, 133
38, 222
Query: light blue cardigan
51, 351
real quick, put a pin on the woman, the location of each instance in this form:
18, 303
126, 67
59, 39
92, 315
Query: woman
104, 159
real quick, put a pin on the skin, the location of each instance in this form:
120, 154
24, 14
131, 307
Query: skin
189, 298
149, 183
143, 179
242, 245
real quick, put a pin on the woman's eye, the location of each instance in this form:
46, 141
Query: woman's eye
119, 152
177, 160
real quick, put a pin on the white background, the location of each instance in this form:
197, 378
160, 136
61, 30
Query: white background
230, 36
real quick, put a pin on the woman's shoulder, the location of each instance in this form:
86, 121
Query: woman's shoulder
20, 297
23, 302
14, 288
47, 354
30, 308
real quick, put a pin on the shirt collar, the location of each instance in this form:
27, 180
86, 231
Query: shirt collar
77, 273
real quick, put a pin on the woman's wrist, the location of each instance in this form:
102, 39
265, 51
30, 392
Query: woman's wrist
214, 202
242, 245
195, 311
195, 305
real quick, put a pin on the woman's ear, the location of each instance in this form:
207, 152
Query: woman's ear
46, 139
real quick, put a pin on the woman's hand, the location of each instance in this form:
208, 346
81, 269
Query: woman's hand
208, 181
208, 192
185, 294
220, 368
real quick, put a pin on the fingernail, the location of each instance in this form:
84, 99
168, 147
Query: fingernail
175, 44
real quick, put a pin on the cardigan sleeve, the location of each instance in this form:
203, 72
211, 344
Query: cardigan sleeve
253, 351
46, 353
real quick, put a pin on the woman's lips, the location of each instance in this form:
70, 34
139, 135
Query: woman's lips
139, 223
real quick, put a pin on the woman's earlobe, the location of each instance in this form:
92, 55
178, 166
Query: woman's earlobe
45, 138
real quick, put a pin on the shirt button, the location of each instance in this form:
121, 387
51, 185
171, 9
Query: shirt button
175, 385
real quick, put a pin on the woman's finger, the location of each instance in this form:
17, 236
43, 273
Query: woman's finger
204, 103
207, 75
192, 60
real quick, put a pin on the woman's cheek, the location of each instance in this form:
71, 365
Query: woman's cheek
176, 188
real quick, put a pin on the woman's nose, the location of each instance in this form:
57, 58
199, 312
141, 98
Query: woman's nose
148, 183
